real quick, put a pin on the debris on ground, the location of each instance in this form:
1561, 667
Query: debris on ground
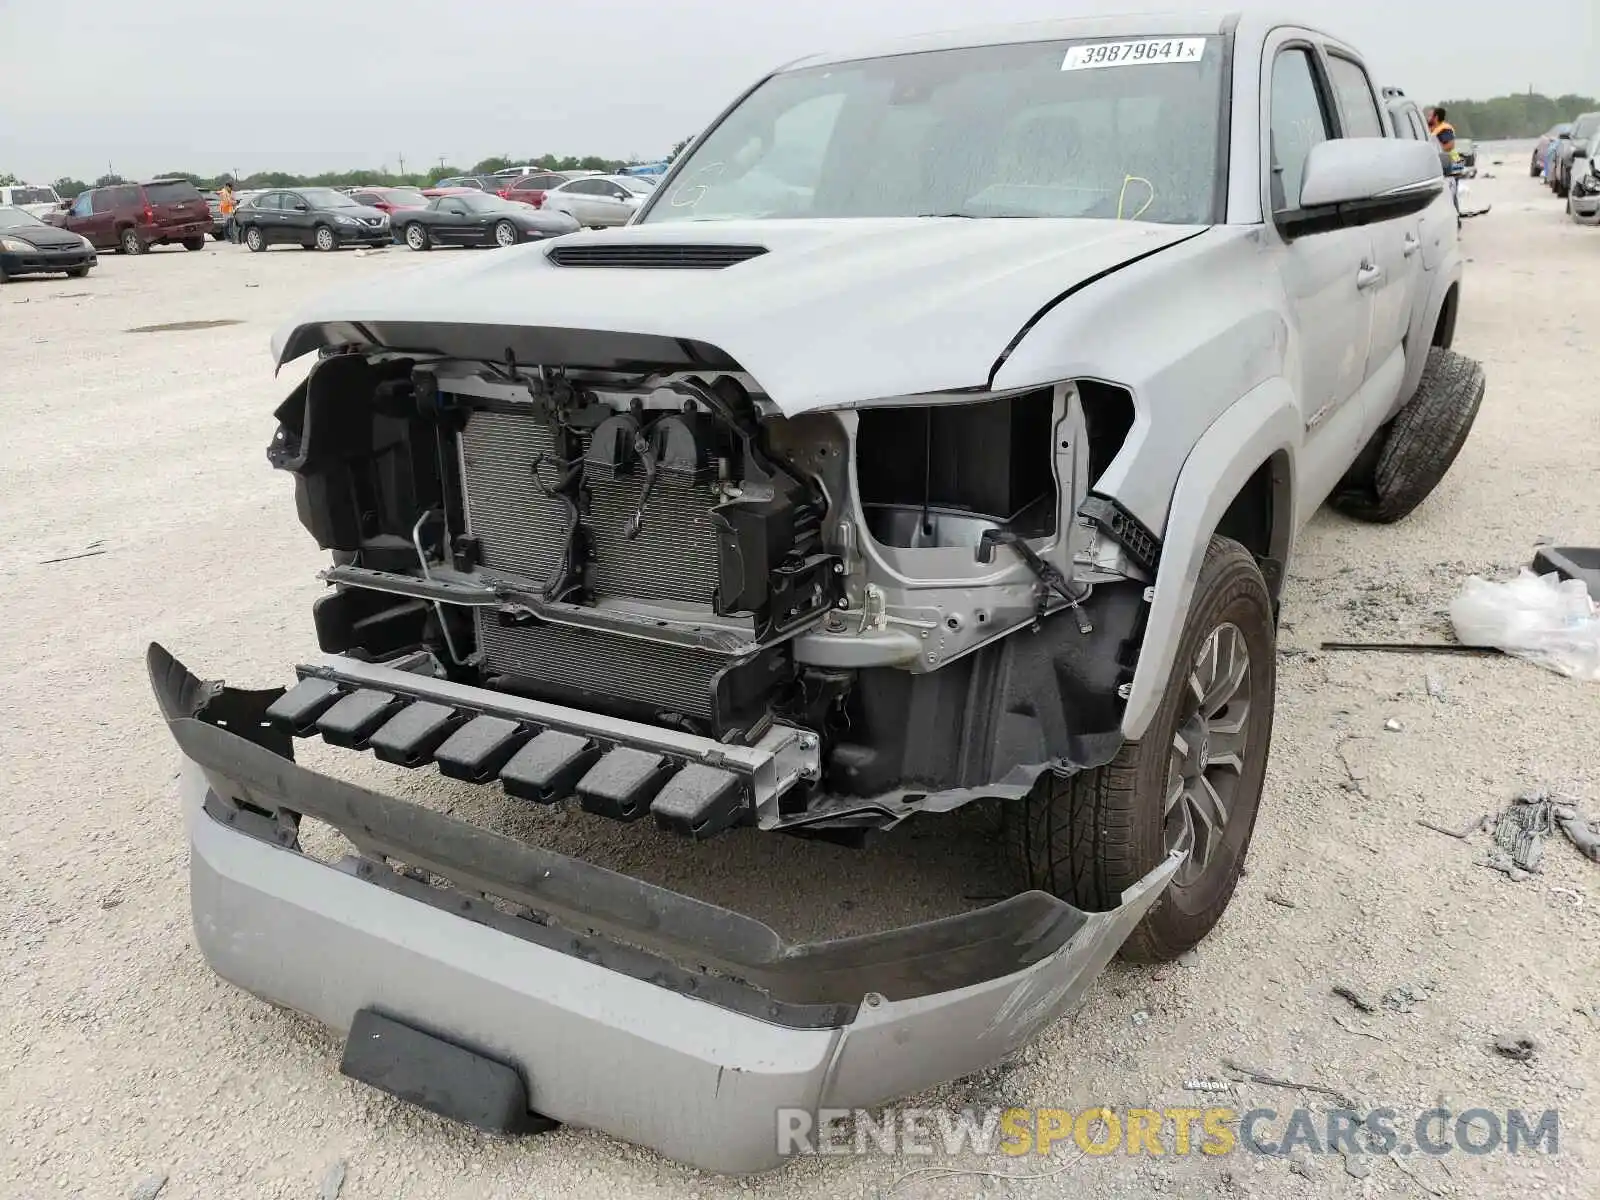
1436, 689
1350, 1026
1357, 1001
1461, 834
1544, 619
333, 1180
149, 1187
1393, 726
1404, 999
1140, 1019
1518, 1048
1520, 832
1254, 1076
1207, 1085
1280, 901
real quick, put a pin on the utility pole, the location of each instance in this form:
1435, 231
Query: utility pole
402, 164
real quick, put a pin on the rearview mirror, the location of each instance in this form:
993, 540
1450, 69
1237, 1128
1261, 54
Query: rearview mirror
1357, 181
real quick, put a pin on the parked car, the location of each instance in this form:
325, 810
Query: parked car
597, 201
40, 199
1542, 146
1574, 147
314, 218
29, 246
476, 183
1583, 197
219, 219
389, 199
1552, 154
818, 520
132, 217
477, 220
530, 189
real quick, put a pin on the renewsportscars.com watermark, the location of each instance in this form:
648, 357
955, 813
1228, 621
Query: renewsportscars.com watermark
1154, 1132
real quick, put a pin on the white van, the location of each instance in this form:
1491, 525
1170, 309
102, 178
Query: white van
36, 198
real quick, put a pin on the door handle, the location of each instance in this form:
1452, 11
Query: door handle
1368, 277
1413, 244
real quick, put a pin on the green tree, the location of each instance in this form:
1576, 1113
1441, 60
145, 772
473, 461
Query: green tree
109, 179
679, 148
68, 187
8, 180
1519, 116
490, 165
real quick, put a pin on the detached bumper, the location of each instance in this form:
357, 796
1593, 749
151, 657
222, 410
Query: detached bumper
624, 1007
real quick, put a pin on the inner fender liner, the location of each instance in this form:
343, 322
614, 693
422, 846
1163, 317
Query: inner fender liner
1036, 700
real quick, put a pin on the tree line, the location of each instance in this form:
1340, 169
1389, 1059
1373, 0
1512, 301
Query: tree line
1522, 116
67, 187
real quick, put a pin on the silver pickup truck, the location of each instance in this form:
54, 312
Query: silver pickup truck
938, 433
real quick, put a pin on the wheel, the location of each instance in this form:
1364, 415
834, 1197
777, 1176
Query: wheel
1191, 784
129, 241
324, 240
195, 243
1419, 445
505, 234
77, 272
218, 237
1536, 172
255, 239
417, 237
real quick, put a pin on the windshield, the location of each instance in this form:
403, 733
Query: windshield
327, 198
11, 218
1042, 129
485, 203
637, 186
34, 195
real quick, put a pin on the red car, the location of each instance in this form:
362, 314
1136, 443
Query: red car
132, 217
389, 199
530, 189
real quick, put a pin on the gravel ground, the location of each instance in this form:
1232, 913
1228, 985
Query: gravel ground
125, 1061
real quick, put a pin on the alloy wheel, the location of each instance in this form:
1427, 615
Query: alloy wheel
1208, 751
505, 234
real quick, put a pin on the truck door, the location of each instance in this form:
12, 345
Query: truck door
1327, 276
1396, 282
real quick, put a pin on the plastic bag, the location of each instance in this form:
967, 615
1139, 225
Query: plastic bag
1542, 618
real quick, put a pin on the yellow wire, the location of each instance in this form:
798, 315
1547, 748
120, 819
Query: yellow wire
1122, 196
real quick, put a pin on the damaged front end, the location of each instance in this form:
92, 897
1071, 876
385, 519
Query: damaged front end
911, 605
507, 985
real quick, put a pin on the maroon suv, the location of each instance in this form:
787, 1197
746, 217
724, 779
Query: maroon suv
132, 217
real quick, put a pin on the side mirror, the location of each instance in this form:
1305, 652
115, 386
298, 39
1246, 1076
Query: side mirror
1357, 181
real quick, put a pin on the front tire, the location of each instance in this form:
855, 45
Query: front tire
1192, 784
1419, 444
77, 272
417, 238
324, 240
195, 243
130, 243
255, 239
505, 234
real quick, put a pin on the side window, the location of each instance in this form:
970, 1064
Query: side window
585, 187
1299, 121
1418, 129
80, 206
1355, 98
272, 201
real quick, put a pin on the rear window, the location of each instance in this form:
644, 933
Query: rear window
171, 193
33, 195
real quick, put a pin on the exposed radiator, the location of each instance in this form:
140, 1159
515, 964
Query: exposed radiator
518, 528
671, 678
674, 556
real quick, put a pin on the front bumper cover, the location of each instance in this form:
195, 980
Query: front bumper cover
628, 1008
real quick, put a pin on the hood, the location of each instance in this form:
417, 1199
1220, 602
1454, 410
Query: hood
830, 312
45, 237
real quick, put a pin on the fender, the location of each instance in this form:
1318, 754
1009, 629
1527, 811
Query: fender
1265, 421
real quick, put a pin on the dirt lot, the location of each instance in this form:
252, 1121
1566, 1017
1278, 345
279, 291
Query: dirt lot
137, 458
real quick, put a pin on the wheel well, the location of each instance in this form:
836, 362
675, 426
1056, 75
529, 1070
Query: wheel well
1444, 333
1259, 518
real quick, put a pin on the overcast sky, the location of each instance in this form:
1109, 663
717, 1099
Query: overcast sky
307, 85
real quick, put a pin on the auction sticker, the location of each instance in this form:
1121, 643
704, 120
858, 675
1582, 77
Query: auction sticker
1130, 54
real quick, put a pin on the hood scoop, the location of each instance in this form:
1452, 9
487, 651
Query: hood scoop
653, 256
